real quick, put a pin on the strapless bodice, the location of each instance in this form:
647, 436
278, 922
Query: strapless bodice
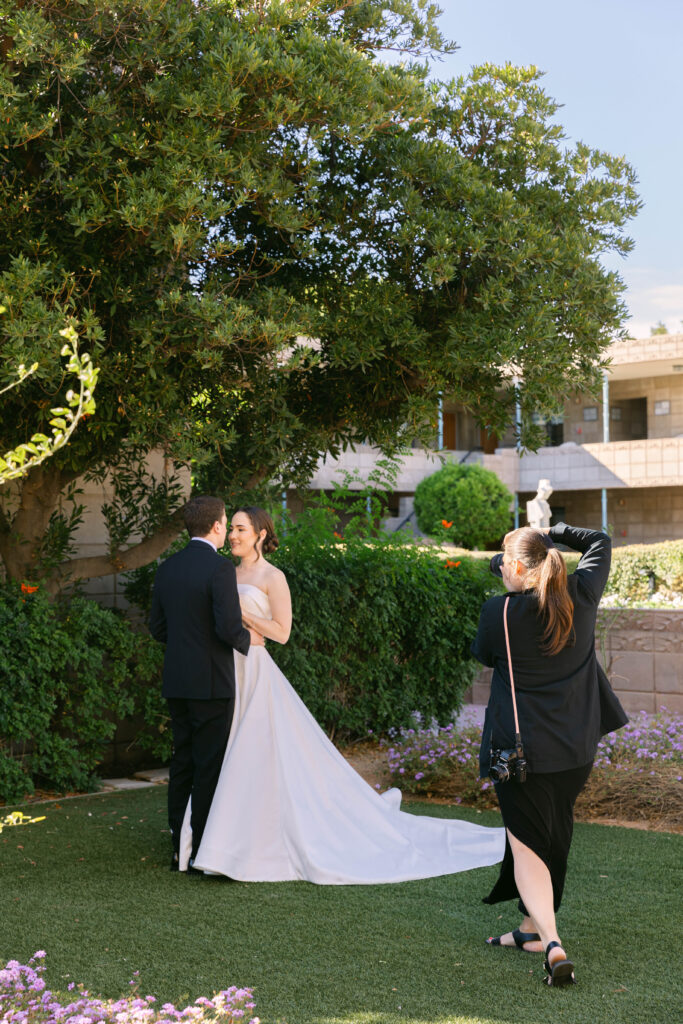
254, 601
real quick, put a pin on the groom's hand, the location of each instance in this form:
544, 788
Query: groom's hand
256, 639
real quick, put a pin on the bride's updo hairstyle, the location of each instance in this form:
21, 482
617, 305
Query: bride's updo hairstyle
546, 574
260, 520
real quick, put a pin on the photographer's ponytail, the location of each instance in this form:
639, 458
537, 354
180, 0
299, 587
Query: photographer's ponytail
555, 602
546, 574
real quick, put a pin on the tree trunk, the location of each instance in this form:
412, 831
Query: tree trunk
21, 534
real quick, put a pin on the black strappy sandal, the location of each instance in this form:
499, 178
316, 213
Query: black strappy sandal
561, 972
519, 937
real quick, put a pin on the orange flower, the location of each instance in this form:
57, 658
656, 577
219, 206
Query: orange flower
444, 522
26, 588
338, 535
457, 564
448, 564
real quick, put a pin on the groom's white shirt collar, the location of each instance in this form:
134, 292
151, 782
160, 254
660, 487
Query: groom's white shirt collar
205, 541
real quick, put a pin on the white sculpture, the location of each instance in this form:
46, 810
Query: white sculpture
538, 509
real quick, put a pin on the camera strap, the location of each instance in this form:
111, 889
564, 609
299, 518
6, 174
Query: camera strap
518, 738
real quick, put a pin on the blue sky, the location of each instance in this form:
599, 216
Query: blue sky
616, 67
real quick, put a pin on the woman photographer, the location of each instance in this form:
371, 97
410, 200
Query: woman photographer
560, 693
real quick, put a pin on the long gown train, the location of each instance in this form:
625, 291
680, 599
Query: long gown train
288, 806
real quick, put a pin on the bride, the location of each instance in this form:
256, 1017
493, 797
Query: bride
287, 805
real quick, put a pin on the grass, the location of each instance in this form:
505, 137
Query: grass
90, 885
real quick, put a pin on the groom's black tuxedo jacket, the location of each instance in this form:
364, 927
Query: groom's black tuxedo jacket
196, 613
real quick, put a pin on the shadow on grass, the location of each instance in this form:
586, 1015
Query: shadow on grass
90, 885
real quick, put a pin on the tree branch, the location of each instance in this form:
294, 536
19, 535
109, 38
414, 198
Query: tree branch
134, 557
256, 478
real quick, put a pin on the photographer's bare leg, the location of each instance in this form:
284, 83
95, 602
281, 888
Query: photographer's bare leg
536, 889
528, 926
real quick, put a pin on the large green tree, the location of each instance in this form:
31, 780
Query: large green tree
275, 243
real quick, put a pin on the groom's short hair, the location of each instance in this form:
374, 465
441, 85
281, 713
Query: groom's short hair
201, 513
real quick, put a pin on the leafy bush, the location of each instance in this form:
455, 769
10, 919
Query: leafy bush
70, 671
381, 628
640, 570
465, 505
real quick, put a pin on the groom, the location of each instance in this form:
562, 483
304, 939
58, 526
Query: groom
196, 613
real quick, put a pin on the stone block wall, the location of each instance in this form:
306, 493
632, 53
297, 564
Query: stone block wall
642, 652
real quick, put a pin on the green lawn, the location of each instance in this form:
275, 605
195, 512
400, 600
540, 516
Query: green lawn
90, 885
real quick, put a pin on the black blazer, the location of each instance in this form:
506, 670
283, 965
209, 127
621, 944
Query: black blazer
196, 613
558, 696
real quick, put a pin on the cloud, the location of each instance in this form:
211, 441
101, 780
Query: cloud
652, 296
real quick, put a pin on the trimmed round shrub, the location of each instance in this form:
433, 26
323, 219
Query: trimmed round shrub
464, 505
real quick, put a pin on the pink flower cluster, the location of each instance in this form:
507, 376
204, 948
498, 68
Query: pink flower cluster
24, 999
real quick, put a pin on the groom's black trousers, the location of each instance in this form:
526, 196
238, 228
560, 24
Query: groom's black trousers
200, 735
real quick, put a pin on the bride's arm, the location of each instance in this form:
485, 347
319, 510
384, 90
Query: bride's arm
280, 626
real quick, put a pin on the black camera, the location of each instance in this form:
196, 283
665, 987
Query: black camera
508, 764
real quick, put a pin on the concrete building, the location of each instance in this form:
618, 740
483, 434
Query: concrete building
621, 458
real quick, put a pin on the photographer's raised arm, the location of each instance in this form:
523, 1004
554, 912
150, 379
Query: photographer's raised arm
596, 555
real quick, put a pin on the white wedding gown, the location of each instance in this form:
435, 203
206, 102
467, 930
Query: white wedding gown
289, 807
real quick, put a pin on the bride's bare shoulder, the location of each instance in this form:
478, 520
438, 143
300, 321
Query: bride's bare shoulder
275, 578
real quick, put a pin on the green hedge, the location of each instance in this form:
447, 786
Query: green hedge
380, 630
632, 565
69, 671
638, 571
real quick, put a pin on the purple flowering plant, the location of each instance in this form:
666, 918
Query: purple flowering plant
443, 761
25, 999
646, 739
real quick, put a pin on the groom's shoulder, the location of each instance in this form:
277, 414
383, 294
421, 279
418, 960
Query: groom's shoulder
194, 553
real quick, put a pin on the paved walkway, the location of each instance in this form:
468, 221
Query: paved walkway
151, 777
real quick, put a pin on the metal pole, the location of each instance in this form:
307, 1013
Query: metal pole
518, 427
605, 440
439, 425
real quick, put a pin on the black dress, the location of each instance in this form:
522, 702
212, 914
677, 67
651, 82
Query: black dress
559, 707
